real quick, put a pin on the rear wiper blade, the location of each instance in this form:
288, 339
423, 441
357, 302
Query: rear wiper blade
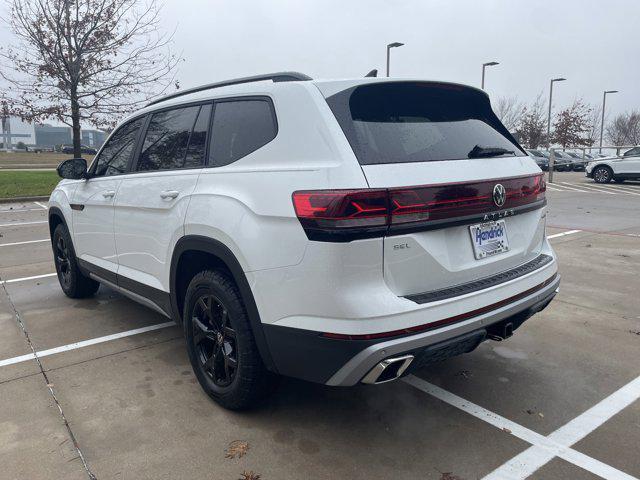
484, 152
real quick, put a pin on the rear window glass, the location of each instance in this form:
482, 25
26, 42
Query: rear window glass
419, 122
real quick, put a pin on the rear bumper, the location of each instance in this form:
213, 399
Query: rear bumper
310, 356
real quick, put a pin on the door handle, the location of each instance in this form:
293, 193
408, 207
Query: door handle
108, 193
169, 194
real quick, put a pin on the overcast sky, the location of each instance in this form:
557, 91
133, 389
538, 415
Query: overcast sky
594, 44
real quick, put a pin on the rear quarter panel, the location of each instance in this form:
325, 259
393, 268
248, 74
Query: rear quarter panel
247, 205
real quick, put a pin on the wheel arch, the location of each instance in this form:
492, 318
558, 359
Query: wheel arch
191, 254
56, 217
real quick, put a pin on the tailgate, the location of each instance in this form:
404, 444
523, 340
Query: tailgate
432, 257
465, 200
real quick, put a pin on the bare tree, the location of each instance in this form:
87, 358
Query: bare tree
532, 124
624, 129
572, 125
594, 122
86, 61
508, 110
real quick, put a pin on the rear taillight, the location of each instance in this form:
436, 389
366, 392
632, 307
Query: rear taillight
344, 215
332, 214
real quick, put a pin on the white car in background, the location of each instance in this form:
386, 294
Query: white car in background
618, 169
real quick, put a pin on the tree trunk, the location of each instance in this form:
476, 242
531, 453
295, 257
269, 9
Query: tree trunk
75, 122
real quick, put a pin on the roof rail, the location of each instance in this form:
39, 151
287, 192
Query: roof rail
276, 77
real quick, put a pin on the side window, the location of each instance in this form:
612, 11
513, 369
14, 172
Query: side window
239, 128
633, 152
198, 140
115, 155
166, 139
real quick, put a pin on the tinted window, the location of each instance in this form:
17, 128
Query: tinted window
239, 128
632, 152
198, 140
166, 140
116, 153
418, 122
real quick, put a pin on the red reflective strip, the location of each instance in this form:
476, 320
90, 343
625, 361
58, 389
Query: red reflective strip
444, 321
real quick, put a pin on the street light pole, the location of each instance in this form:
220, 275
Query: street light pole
551, 154
389, 47
604, 103
485, 65
549, 116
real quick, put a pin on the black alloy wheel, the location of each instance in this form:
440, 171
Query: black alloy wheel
63, 265
214, 340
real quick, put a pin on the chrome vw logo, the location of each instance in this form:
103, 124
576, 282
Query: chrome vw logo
499, 195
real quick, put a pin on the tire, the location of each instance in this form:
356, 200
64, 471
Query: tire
618, 180
221, 346
602, 174
73, 282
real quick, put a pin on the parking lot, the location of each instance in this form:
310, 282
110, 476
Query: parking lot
103, 387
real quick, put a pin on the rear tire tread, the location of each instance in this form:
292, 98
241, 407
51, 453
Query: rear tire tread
253, 382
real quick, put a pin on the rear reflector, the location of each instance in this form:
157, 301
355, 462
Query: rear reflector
344, 215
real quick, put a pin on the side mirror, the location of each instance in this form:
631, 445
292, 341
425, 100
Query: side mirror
73, 169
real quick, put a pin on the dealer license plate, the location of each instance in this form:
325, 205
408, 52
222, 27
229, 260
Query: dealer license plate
489, 238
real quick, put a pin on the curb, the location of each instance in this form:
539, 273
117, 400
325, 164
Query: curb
24, 199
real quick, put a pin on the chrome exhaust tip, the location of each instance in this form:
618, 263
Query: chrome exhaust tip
388, 370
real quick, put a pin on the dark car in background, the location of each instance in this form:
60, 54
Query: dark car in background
563, 162
578, 161
83, 148
540, 157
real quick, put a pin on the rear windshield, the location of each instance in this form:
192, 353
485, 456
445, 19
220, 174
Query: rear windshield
401, 122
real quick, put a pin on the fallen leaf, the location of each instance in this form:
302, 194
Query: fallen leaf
237, 448
250, 475
505, 429
450, 476
541, 414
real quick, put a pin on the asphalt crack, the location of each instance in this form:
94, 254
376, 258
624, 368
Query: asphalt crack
48, 384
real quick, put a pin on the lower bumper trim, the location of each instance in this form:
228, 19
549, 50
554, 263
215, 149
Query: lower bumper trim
308, 355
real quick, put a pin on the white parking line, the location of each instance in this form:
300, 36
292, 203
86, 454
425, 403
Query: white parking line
23, 243
619, 189
17, 224
547, 446
562, 234
23, 279
85, 343
596, 189
526, 463
560, 185
18, 210
41, 205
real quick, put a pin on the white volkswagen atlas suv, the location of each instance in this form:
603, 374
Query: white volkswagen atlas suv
337, 231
